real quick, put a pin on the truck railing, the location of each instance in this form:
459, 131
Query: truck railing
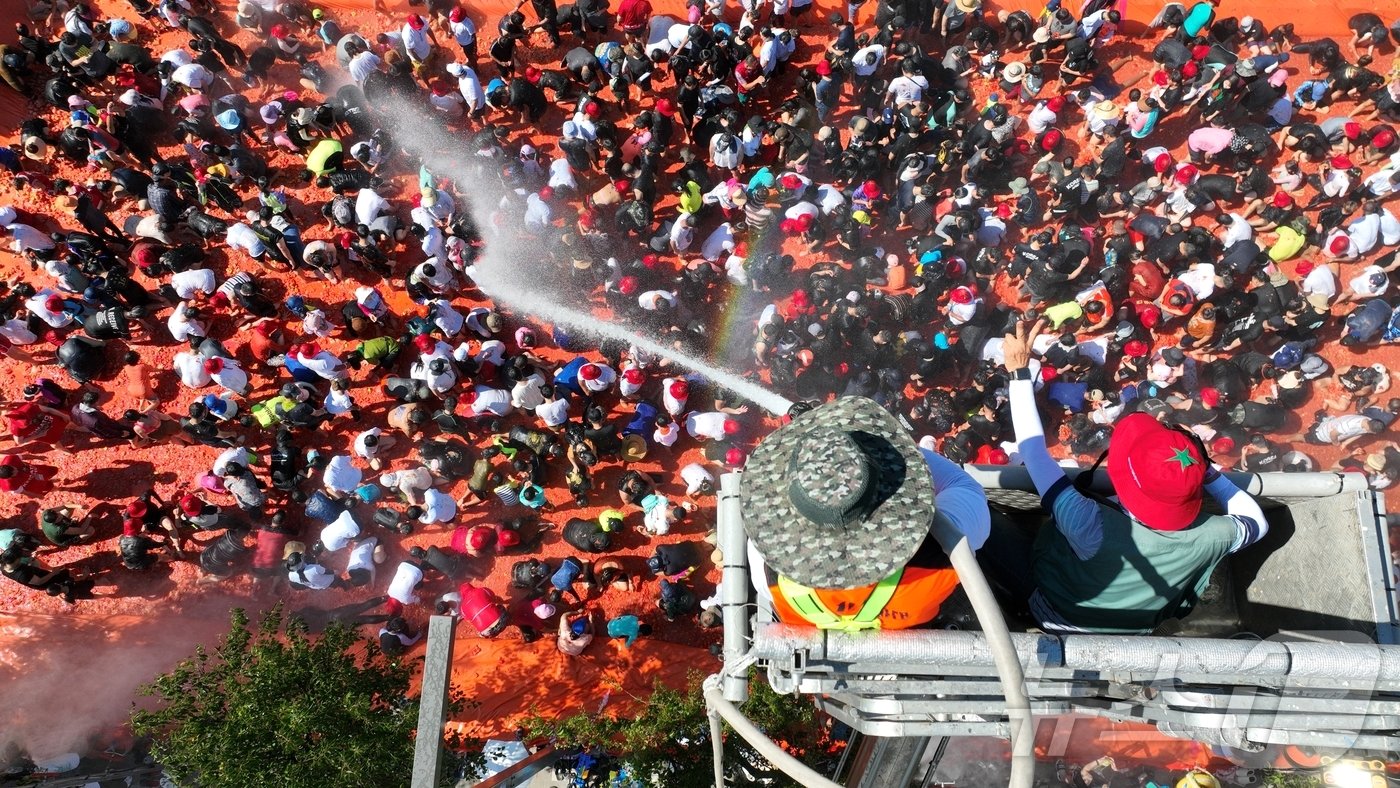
1336, 690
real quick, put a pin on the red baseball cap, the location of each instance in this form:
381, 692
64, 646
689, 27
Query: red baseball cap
627, 285
1136, 348
1157, 472
1056, 103
506, 537
1339, 244
458, 14
731, 427
824, 68
1306, 267
415, 21
734, 457
590, 372
1210, 397
1383, 139
1351, 129
1340, 162
680, 389
634, 376
480, 537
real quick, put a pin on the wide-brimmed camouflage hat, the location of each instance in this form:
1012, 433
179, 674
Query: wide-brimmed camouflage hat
839, 498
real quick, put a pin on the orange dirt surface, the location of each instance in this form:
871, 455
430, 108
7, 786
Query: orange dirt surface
92, 655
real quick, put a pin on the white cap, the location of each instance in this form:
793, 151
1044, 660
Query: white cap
1247, 22
456, 69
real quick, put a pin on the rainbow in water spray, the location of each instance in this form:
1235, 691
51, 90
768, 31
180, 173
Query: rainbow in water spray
498, 274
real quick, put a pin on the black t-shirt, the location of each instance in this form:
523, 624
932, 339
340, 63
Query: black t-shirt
110, 323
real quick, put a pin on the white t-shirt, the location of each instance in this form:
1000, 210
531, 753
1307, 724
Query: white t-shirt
317, 577
1041, 118
694, 475
493, 401
706, 425
554, 412
406, 578
447, 319
241, 236
1238, 230
231, 376
341, 475
362, 556
1320, 280
369, 206
196, 280
717, 242
438, 507
907, 89
190, 367
362, 448
340, 532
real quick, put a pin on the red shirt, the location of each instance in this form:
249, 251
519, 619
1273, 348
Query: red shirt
268, 552
30, 421
633, 14
22, 474
742, 75
479, 606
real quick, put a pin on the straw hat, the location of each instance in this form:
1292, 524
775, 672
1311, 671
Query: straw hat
839, 497
967, 6
1107, 109
1041, 35
1375, 462
1014, 72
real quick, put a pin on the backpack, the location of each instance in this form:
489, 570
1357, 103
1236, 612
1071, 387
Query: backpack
528, 573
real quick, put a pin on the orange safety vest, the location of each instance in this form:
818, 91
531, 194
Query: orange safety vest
916, 600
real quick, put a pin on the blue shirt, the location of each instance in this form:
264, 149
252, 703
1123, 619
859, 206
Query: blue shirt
319, 506
564, 577
1312, 90
568, 376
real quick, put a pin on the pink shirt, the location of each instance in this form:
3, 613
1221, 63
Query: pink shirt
1210, 139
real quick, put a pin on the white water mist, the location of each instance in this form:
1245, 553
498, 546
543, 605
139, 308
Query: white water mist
497, 271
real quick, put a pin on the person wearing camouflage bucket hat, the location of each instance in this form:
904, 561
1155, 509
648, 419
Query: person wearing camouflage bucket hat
839, 506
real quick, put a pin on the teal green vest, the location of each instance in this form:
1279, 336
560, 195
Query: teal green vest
1138, 579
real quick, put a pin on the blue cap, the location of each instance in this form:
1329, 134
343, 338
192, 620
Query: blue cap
215, 404
940, 341
296, 305
229, 119
931, 256
578, 627
118, 27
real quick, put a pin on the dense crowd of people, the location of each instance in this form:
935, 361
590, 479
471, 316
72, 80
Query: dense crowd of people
896, 191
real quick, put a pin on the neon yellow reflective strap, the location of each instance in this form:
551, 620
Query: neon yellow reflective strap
808, 605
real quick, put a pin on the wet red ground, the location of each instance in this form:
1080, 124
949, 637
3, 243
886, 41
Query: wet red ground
89, 657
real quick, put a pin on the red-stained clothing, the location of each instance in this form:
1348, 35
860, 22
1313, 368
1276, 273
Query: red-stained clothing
29, 421
481, 609
633, 15
267, 555
742, 75
34, 480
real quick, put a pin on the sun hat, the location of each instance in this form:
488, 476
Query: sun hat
1340, 162
1291, 379
1041, 35
1375, 462
1156, 471
967, 6
1014, 72
1019, 186
1106, 109
838, 498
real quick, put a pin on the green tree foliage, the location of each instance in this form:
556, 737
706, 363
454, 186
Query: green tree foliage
667, 741
275, 707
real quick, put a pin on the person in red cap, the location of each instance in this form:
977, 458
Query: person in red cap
1120, 565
